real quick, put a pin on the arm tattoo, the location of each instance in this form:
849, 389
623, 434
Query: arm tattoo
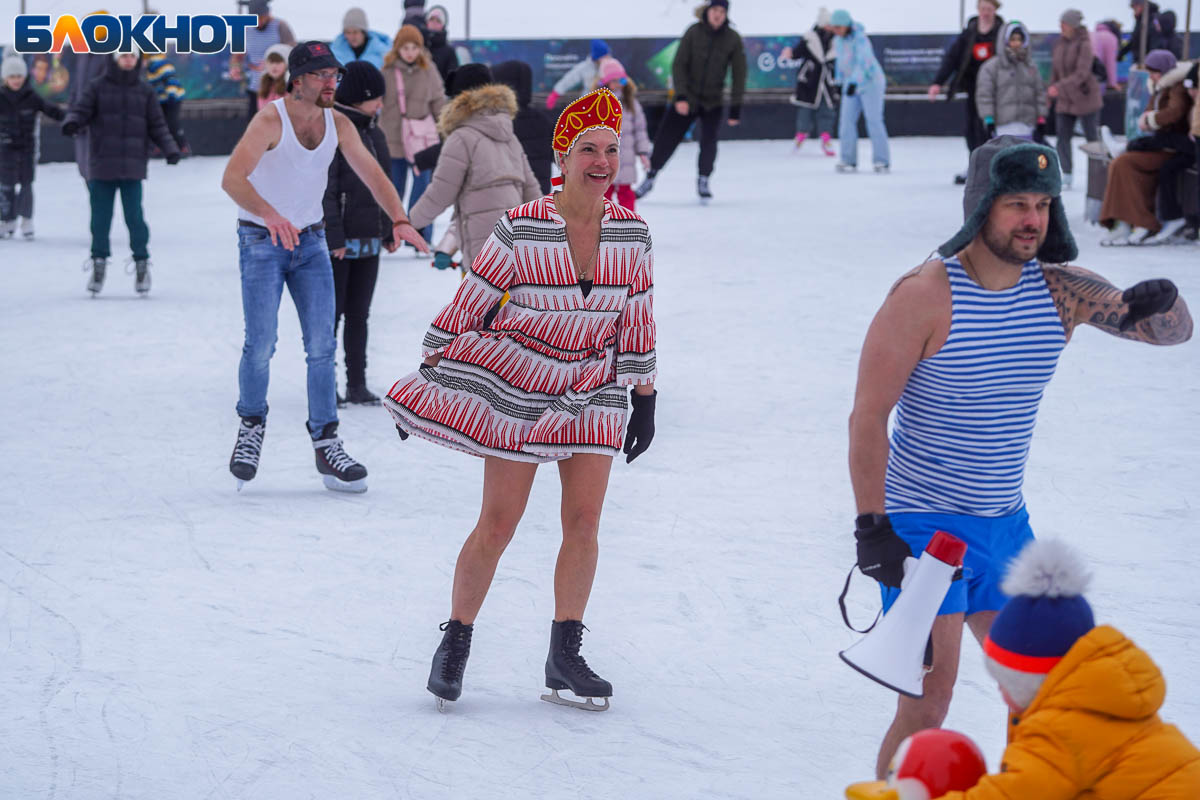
1083, 296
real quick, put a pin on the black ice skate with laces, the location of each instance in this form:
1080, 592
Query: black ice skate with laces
566, 669
340, 472
246, 451
449, 662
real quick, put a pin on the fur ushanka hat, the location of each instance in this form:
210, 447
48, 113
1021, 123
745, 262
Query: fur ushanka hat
1008, 165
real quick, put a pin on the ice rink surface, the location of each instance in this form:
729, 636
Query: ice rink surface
164, 636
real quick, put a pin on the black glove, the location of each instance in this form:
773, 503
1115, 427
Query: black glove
851, 88
1039, 133
1146, 299
881, 552
991, 130
172, 158
70, 128
640, 430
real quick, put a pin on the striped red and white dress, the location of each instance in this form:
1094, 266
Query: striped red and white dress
546, 379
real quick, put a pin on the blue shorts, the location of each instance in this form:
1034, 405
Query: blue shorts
992, 543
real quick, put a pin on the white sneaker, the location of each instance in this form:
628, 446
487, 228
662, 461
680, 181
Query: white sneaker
27, 227
1169, 229
1118, 235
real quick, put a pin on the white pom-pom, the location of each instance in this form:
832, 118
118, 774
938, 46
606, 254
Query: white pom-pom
1049, 568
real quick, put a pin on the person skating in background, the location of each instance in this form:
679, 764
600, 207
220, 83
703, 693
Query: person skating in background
250, 64
532, 127
1084, 698
1106, 41
815, 96
415, 96
709, 49
1171, 40
1132, 206
580, 78
1076, 92
960, 67
443, 54
277, 176
356, 227
358, 42
273, 84
863, 85
83, 68
966, 389
545, 381
1154, 38
19, 109
1011, 97
635, 136
160, 72
481, 170
122, 115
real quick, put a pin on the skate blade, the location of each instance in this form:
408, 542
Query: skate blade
240, 483
441, 705
354, 487
705, 201
588, 705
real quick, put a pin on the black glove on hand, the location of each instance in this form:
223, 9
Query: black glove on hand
172, 158
851, 88
1039, 133
639, 432
881, 552
70, 128
1146, 299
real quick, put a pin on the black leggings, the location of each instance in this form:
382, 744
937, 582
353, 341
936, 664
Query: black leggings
675, 125
16, 184
354, 286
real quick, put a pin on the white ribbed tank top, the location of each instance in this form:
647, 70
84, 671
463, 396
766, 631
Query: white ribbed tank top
291, 177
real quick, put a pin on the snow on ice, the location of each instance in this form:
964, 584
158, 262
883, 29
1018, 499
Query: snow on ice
167, 637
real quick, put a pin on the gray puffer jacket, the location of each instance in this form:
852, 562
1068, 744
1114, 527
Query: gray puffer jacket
482, 170
1009, 87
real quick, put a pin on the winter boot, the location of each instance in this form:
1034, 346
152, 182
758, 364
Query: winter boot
27, 228
800, 137
566, 669
246, 451
827, 145
341, 472
646, 185
358, 394
97, 266
450, 661
703, 190
141, 281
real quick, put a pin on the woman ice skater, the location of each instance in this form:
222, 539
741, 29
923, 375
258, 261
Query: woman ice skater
544, 381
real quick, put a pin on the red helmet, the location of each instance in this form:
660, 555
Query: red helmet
932, 762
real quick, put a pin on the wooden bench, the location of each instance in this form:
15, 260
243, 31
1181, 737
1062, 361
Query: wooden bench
1189, 195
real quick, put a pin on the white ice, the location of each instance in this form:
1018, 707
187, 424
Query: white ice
166, 637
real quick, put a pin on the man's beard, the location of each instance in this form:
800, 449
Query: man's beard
323, 103
1004, 248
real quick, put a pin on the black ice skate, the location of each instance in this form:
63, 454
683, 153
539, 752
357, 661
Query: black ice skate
566, 669
244, 461
340, 472
360, 395
703, 190
141, 281
449, 662
97, 266
643, 188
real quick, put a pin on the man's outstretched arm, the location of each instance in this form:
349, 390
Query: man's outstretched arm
1150, 311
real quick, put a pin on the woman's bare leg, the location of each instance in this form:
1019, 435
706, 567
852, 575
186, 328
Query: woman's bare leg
506, 486
584, 483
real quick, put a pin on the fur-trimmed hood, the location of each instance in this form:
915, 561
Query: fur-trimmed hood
1176, 75
474, 106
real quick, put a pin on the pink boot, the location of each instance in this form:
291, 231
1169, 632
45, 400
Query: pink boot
800, 137
826, 146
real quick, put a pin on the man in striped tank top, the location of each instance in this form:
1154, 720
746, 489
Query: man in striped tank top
277, 175
963, 348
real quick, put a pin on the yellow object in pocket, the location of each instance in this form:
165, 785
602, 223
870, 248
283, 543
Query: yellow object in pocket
871, 790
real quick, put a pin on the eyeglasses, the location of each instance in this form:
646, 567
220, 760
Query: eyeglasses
327, 76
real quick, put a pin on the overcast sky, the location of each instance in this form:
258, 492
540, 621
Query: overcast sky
612, 18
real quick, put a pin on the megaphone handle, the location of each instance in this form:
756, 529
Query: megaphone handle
842, 605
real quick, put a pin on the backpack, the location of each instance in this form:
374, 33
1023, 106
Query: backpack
1099, 70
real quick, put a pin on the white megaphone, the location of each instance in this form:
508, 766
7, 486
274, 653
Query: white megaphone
893, 653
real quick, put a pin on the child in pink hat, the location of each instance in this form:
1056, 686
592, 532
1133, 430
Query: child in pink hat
635, 137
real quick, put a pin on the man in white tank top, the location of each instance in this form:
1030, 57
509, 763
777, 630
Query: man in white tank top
1006, 277
277, 175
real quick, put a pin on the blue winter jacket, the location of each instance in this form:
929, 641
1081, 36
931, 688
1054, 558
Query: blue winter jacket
378, 45
856, 62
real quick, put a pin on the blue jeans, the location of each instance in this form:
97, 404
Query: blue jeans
815, 121
867, 100
401, 169
265, 268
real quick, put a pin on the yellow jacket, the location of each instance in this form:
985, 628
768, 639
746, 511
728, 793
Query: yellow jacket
1093, 733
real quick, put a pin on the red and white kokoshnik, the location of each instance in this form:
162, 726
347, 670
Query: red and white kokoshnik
544, 380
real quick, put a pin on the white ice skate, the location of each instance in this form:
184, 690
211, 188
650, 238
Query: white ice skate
1118, 236
1169, 229
27, 228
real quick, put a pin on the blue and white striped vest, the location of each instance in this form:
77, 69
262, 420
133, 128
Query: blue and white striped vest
257, 44
964, 423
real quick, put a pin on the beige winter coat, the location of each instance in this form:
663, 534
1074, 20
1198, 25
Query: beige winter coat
482, 170
424, 94
1079, 92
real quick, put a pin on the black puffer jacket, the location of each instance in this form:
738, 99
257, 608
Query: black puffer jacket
350, 209
444, 57
122, 115
532, 127
701, 63
18, 117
